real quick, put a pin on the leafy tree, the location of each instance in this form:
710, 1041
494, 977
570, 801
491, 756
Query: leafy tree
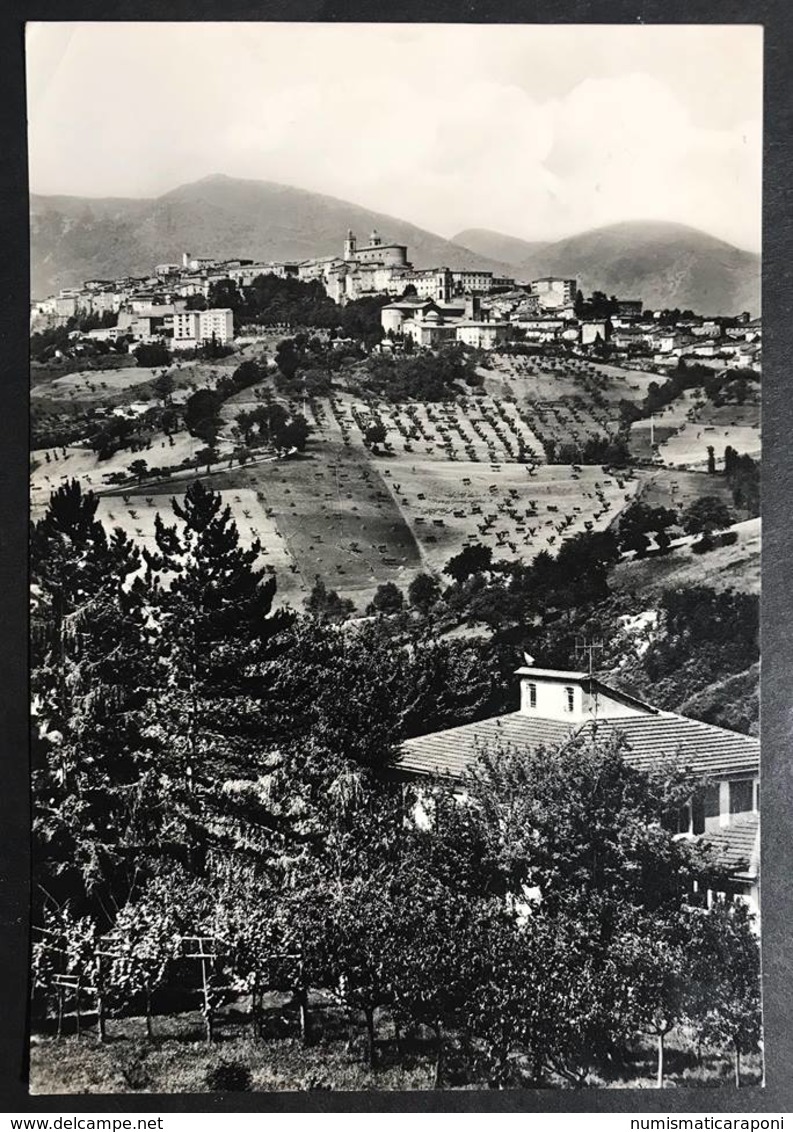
286, 357
706, 515
472, 559
325, 603
388, 598
424, 592
293, 435
727, 975
164, 386
152, 355
139, 469
655, 959
375, 435
205, 457
202, 415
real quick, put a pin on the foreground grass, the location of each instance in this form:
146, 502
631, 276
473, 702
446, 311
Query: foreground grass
178, 1059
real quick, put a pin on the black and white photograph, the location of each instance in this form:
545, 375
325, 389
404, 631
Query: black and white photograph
395, 450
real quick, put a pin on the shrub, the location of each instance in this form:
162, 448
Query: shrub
729, 538
229, 1077
705, 544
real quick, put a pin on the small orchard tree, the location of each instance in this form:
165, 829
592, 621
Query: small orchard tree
655, 959
727, 971
139, 469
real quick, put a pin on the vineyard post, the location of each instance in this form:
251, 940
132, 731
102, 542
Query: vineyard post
303, 1000
100, 998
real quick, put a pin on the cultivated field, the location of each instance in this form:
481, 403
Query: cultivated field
448, 474
336, 516
684, 429
135, 513
514, 510
665, 487
718, 426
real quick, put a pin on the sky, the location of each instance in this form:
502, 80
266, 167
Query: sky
537, 131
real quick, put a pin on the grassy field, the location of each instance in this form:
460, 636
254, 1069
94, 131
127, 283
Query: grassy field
336, 517
665, 487
736, 566
179, 1059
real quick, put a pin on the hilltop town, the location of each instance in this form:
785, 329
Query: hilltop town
433, 306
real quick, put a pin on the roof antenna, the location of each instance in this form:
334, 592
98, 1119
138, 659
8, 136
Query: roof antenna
583, 646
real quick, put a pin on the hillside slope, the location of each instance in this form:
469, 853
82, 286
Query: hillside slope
75, 238
665, 265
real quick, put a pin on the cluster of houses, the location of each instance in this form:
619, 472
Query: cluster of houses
631, 334
432, 306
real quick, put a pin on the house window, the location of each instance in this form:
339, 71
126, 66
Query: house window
569, 699
532, 695
756, 790
741, 797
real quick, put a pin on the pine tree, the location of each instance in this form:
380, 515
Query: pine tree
219, 645
96, 801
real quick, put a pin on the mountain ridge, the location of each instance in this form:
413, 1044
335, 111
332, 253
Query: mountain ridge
664, 263
76, 238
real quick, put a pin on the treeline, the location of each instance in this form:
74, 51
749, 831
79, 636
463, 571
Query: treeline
704, 638
719, 387
206, 768
45, 343
270, 300
438, 376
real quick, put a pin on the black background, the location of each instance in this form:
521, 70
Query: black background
777, 602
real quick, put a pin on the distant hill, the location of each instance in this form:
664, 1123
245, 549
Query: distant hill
77, 238
665, 265
496, 245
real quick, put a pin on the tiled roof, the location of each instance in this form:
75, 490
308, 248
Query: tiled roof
451, 752
736, 844
705, 749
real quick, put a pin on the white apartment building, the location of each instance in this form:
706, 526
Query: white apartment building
195, 328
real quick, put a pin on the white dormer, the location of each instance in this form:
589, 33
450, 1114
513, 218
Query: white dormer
549, 693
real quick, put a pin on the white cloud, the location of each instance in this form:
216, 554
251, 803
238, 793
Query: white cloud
534, 131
